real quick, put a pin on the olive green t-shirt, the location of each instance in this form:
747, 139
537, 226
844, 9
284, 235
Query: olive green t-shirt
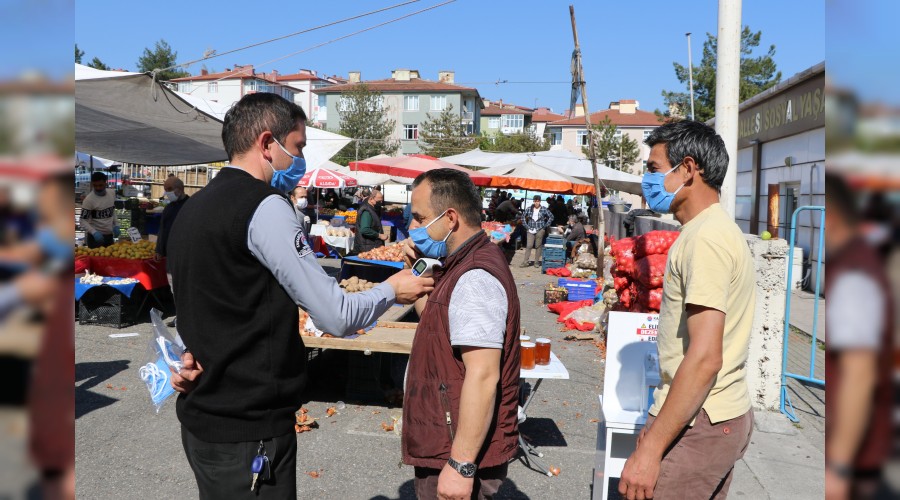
709, 265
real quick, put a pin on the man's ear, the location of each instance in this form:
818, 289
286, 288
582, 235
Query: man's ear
263, 140
690, 167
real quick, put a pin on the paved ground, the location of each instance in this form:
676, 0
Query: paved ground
124, 450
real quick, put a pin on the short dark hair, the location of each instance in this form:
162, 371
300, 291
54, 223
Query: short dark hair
699, 141
451, 188
841, 197
99, 177
536, 197
253, 115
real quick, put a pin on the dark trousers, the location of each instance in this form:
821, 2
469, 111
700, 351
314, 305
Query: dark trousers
487, 482
222, 470
108, 240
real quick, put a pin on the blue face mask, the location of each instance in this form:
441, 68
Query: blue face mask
653, 186
429, 247
287, 179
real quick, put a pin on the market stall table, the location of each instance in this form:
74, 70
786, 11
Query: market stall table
344, 243
150, 274
555, 370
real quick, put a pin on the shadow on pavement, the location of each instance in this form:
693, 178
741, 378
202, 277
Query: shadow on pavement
94, 374
508, 490
542, 432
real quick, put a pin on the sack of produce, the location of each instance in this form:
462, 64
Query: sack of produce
651, 270
586, 261
654, 243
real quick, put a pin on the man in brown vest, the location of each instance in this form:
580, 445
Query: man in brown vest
859, 325
460, 425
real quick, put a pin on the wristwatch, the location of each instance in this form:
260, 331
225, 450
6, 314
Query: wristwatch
465, 469
843, 471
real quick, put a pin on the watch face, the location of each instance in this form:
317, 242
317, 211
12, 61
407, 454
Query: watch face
467, 470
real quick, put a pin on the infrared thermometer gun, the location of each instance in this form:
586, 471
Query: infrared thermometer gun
425, 267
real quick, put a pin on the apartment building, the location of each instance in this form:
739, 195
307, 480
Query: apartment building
227, 87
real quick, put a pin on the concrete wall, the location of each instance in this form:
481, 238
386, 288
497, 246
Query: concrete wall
767, 337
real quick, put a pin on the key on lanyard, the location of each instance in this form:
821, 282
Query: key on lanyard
260, 464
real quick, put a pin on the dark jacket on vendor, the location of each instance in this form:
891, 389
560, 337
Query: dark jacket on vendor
368, 228
165, 223
436, 370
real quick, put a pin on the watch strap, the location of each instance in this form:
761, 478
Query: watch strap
463, 467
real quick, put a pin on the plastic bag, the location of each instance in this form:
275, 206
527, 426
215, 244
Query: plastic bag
586, 318
163, 352
586, 261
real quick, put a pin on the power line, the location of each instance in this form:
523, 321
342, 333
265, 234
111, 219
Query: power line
214, 55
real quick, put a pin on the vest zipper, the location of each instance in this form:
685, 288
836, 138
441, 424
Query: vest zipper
445, 402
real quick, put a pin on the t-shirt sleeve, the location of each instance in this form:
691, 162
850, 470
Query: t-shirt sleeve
477, 311
854, 295
707, 272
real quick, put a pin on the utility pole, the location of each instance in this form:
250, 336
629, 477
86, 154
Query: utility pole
728, 81
690, 73
579, 81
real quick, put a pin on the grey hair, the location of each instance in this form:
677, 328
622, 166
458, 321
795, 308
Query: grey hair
699, 141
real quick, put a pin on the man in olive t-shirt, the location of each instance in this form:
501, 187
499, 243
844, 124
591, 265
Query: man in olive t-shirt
700, 422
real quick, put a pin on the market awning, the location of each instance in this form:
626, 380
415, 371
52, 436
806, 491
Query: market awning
366, 178
410, 166
561, 161
531, 176
325, 178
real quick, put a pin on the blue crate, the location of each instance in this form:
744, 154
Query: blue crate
555, 240
552, 264
578, 289
554, 253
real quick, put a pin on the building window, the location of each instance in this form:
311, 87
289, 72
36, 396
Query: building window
410, 103
343, 102
250, 85
618, 134
212, 87
647, 134
513, 121
323, 101
438, 102
582, 137
184, 87
494, 122
555, 137
470, 128
411, 132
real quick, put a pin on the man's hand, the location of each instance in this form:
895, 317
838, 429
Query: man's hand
116, 231
157, 257
98, 236
408, 288
185, 380
640, 474
383, 237
410, 254
452, 486
836, 487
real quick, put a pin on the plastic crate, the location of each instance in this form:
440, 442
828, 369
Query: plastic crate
106, 306
554, 254
578, 289
555, 240
552, 264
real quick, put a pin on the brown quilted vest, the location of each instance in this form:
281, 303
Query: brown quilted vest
436, 371
876, 445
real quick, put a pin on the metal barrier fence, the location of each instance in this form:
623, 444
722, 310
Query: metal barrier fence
786, 406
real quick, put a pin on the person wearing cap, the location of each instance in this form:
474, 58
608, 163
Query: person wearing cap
98, 215
537, 219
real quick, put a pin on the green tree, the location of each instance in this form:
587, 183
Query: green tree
525, 142
444, 134
98, 64
162, 56
364, 117
63, 137
78, 54
757, 74
615, 152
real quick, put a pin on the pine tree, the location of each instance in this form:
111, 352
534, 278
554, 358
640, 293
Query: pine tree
525, 142
78, 54
162, 56
98, 64
363, 116
757, 75
444, 134
615, 152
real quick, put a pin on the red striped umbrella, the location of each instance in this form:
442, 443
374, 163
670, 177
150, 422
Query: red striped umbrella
411, 166
324, 178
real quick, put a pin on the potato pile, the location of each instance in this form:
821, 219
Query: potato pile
354, 284
393, 253
340, 232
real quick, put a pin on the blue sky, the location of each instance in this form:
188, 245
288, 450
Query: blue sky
628, 47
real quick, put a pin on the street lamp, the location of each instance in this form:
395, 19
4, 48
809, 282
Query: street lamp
690, 73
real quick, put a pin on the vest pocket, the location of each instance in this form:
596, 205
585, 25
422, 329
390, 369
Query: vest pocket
445, 404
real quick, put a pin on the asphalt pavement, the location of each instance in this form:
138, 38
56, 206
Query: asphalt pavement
124, 449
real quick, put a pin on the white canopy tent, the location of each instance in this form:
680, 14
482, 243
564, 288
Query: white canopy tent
561, 161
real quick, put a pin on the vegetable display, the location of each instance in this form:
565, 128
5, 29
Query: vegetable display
639, 270
123, 249
354, 285
393, 253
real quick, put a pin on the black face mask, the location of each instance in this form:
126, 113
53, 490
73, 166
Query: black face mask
379, 206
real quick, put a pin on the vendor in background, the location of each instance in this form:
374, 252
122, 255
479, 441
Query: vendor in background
300, 200
575, 232
559, 211
174, 194
331, 199
98, 215
369, 232
537, 219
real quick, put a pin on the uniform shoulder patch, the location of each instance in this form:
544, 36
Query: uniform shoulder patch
301, 243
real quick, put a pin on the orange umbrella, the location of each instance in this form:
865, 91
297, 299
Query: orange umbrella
411, 166
533, 177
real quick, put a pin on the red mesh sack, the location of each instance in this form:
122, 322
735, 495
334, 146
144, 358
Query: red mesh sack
654, 243
650, 298
651, 270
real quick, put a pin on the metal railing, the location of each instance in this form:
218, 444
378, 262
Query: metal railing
786, 406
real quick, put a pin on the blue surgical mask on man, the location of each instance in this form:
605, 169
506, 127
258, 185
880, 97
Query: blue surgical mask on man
287, 179
429, 247
653, 186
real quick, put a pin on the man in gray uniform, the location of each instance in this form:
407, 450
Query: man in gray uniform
242, 264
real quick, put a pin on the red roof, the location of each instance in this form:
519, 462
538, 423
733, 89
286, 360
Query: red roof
637, 119
627, 101
513, 110
298, 77
391, 85
546, 117
245, 72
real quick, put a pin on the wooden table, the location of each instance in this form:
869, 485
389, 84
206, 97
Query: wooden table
389, 335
